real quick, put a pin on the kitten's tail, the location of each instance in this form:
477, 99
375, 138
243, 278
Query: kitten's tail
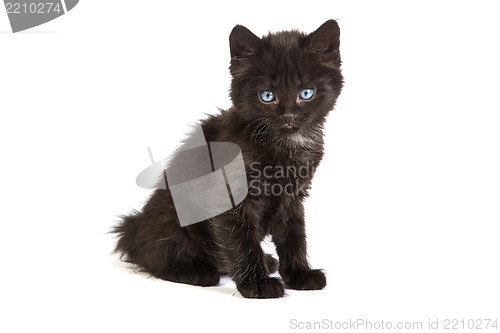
126, 231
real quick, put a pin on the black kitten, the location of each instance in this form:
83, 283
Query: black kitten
283, 86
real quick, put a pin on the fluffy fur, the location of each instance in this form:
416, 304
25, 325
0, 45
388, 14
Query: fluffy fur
286, 133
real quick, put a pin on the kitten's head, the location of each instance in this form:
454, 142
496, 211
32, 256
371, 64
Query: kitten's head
284, 84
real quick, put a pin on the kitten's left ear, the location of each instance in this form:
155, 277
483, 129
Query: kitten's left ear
243, 42
325, 41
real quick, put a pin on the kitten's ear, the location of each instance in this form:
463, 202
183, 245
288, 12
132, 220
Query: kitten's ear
243, 42
325, 41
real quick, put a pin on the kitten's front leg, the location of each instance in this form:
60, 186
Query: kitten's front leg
288, 234
239, 238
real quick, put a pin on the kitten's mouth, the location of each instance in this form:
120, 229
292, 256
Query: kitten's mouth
288, 128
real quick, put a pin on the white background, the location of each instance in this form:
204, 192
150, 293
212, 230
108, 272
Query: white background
404, 213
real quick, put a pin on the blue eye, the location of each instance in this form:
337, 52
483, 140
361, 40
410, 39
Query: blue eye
267, 96
306, 94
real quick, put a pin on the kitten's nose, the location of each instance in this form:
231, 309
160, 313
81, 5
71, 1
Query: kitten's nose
288, 118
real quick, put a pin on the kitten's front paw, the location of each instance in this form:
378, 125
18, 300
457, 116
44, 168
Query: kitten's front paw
263, 288
313, 279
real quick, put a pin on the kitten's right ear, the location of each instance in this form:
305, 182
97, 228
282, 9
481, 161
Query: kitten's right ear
242, 42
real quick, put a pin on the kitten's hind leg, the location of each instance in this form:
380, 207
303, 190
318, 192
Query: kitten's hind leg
154, 241
166, 251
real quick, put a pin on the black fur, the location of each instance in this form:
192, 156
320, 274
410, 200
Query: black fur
284, 62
